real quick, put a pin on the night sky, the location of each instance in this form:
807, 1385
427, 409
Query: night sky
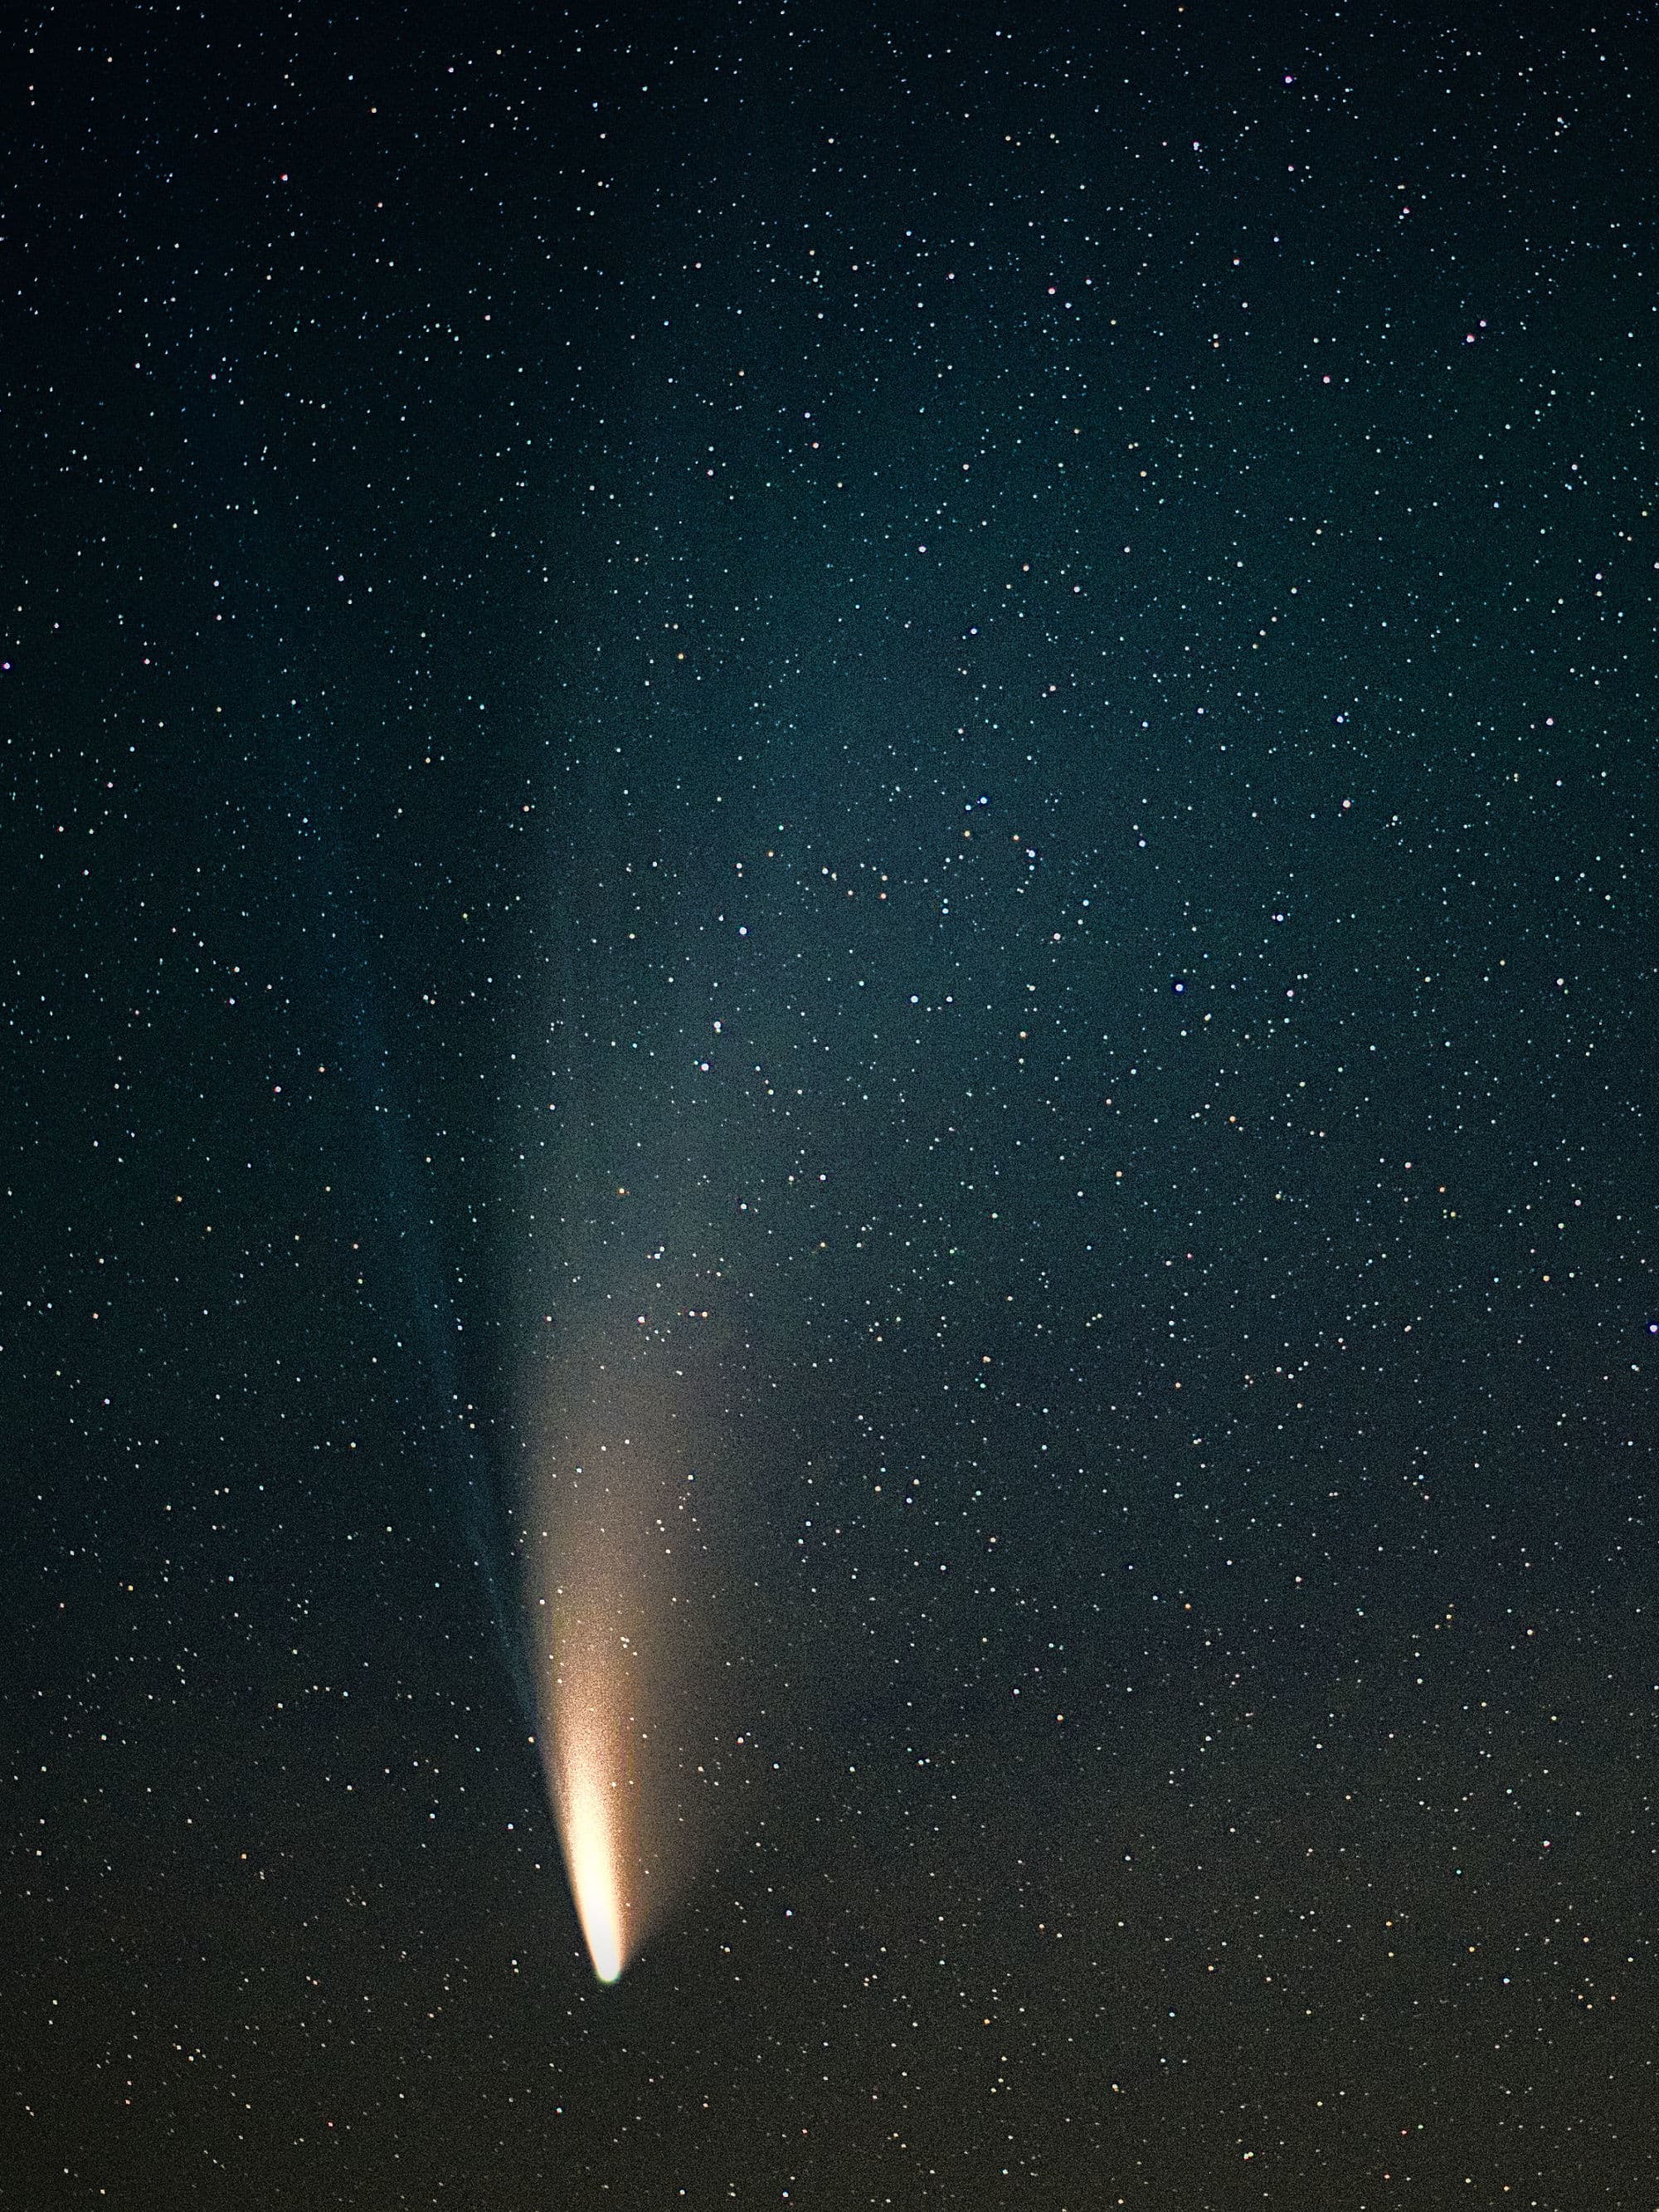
828, 833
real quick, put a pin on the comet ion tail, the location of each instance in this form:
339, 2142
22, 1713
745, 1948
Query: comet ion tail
588, 1832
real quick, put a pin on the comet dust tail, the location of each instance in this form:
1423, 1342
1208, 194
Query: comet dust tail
591, 1724
599, 1618
622, 1608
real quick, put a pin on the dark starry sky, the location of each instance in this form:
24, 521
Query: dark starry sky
916, 743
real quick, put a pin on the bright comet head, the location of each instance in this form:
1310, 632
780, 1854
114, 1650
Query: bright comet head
588, 1833
591, 1737
600, 1603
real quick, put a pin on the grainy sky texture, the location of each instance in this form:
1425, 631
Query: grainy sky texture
888, 771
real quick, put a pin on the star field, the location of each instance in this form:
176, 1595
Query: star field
843, 816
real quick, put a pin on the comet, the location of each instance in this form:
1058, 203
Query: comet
598, 1616
590, 1724
590, 1853
621, 1613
